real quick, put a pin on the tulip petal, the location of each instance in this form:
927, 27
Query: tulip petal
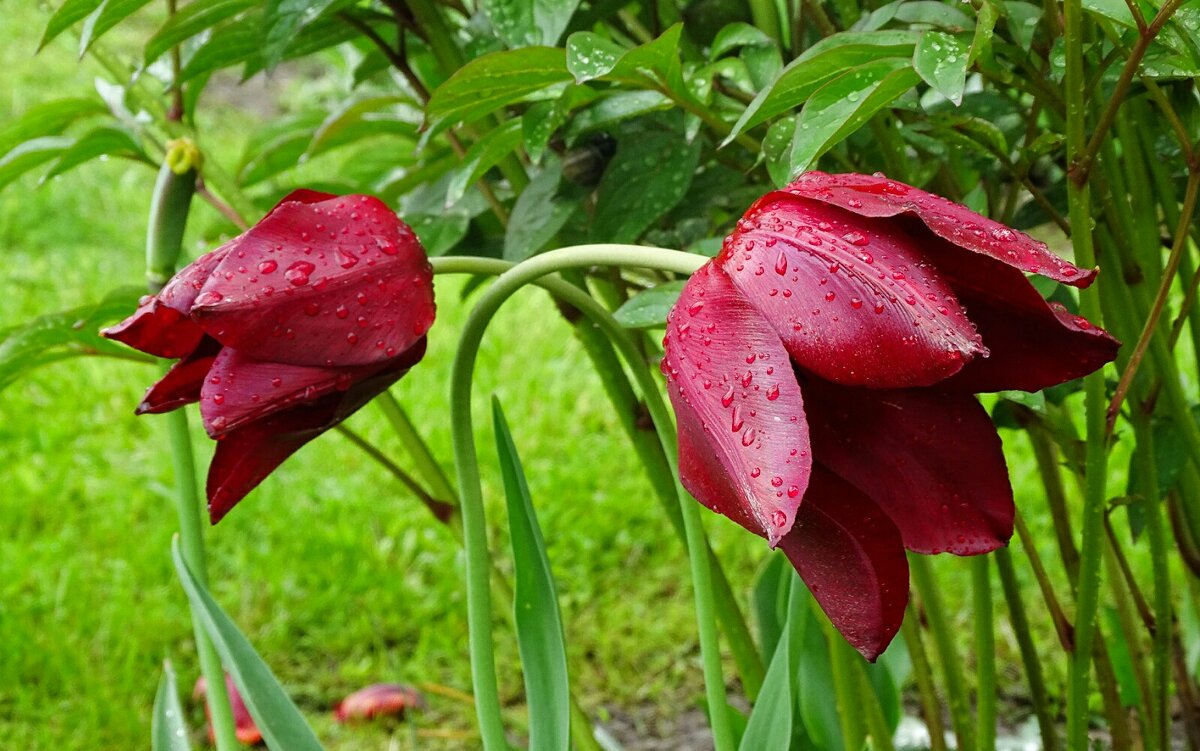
850, 555
377, 701
246, 455
1033, 343
929, 458
341, 281
243, 724
181, 384
743, 438
855, 302
160, 325
877, 196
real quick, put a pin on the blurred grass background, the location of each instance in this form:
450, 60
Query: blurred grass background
336, 574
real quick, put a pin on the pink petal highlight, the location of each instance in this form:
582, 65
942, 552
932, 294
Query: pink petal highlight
855, 302
850, 555
929, 458
743, 437
877, 196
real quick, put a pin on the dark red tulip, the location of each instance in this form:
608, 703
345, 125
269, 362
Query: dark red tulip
285, 330
378, 700
823, 366
244, 728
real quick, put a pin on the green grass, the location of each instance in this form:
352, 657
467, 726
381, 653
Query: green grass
336, 574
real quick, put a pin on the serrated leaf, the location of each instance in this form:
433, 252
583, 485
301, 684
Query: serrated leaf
65, 16
524, 23
538, 214
649, 308
484, 154
282, 725
104, 18
535, 605
30, 154
103, 141
487, 83
168, 731
283, 20
941, 61
843, 105
647, 177
47, 119
818, 65
192, 19
69, 333
590, 55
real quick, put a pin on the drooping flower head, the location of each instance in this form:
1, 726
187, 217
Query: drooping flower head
822, 368
285, 330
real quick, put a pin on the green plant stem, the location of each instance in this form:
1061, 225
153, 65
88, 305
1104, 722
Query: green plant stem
931, 710
479, 607
1096, 463
985, 654
846, 690
418, 451
1038, 695
441, 510
943, 641
877, 725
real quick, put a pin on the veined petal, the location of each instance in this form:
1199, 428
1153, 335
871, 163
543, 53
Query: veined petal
743, 438
341, 281
855, 302
850, 555
181, 384
930, 459
1033, 343
246, 455
877, 196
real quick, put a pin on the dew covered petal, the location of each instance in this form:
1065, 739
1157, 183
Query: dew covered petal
743, 437
181, 384
929, 458
878, 196
855, 302
851, 557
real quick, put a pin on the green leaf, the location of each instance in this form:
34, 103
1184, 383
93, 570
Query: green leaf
539, 123
317, 35
818, 712
484, 154
941, 61
648, 308
535, 606
283, 20
843, 105
192, 19
168, 732
30, 154
69, 333
590, 55
48, 119
440, 233
769, 598
277, 147
656, 61
1023, 21
525, 23
538, 214
777, 149
933, 13
65, 16
770, 725
647, 177
106, 140
737, 35
818, 65
364, 118
487, 83
228, 46
614, 108
1113, 10
282, 725
102, 19
985, 28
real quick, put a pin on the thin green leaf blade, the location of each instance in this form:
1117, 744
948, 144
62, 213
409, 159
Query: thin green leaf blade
482, 156
283, 20
167, 729
47, 119
65, 16
842, 106
941, 61
539, 625
538, 214
649, 308
104, 18
29, 155
487, 83
771, 720
282, 725
103, 141
194, 18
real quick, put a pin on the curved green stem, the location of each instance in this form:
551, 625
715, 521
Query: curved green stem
474, 523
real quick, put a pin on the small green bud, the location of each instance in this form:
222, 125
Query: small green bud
183, 155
